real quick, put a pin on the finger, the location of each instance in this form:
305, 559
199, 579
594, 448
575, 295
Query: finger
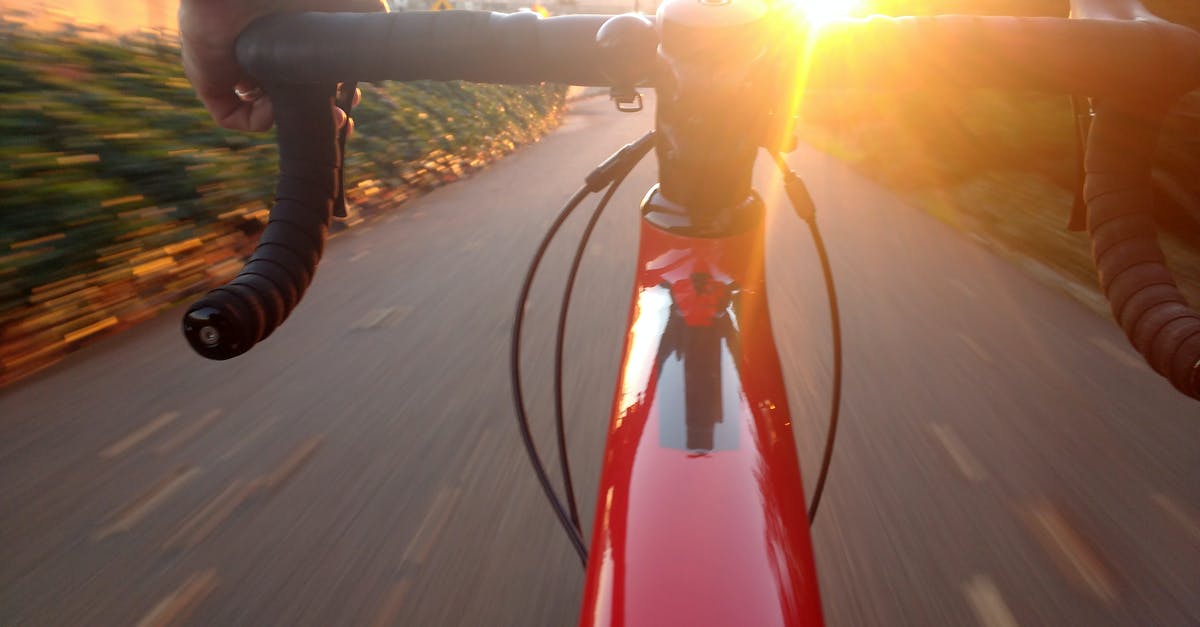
248, 91
357, 97
342, 120
251, 113
231, 113
256, 116
255, 111
262, 115
225, 107
215, 76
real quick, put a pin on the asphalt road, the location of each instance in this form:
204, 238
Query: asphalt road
1004, 459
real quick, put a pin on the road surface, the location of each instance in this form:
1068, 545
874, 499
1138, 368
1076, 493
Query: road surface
1005, 459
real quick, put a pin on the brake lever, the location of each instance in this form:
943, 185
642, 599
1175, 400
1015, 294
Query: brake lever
344, 100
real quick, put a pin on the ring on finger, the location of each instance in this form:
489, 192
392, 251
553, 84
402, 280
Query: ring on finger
248, 95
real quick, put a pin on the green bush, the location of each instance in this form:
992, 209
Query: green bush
119, 196
104, 148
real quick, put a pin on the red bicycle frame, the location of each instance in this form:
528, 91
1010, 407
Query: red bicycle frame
700, 518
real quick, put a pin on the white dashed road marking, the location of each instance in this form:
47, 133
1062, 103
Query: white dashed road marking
987, 602
962, 458
390, 610
1071, 552
432, 526
976, 348
122, 446
175, 607
143, 505
382, 318
187, 433
1179, 515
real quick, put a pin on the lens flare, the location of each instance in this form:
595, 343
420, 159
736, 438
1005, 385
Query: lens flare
820, 12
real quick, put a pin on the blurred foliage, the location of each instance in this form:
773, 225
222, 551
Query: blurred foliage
957, 136
120, 196
942, 138
1003, 165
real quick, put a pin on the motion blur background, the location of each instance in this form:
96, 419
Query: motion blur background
303, 483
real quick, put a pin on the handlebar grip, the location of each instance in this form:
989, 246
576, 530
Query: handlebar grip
231, 319
1145, 299
437, 45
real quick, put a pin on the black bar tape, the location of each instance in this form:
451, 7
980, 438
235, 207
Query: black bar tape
1135, 279
304, 246
1152, 322
1145, 299
1188, 353
289, 261
300, 187
279, 276
438, 45
1115, 182
232, 318
1115, 259
269, 299
1170, 338
256, 320
1120, 229
302, 219
1144, 302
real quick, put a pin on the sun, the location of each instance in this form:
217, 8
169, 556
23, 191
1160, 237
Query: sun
821, 12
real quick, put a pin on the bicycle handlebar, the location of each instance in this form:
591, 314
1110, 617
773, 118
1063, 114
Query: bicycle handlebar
517, 48
1136, 68
1101, 58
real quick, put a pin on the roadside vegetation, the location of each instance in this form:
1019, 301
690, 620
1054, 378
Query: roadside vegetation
119, 197
1002, 166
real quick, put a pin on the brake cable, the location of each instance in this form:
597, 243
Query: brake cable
611, 173
804, 207
624, 160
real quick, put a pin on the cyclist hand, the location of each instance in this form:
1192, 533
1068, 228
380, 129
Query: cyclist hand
208, 30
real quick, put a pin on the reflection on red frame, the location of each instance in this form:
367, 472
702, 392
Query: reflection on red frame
701, 514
